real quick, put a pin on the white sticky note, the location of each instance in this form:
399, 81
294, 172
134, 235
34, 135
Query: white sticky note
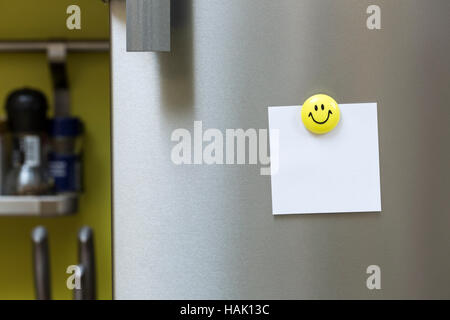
335, 172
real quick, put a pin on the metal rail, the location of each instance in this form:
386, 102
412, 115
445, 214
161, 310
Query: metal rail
57, 60
43, 46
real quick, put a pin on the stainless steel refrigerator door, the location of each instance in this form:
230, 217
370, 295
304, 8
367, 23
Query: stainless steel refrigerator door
200, 231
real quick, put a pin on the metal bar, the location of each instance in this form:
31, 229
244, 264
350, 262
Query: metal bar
57, 60
148, 25
80, 278
43, 46
51, 205
86, 258
41, 263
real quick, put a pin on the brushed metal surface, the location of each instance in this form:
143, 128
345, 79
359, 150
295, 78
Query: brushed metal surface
148, 25
207, 231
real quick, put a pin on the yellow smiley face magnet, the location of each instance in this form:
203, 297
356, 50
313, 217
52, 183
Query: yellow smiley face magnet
320, 114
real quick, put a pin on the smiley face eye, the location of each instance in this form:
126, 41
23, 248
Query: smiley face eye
315, 108
323, 108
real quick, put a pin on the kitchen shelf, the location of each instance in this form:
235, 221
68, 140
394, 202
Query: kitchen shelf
40, 206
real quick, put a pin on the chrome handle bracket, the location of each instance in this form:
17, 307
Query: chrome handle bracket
148, 25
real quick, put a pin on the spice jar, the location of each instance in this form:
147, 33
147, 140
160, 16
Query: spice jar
65, 153
27, 121
4, 153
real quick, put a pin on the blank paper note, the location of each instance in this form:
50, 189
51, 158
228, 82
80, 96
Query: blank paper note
335, 172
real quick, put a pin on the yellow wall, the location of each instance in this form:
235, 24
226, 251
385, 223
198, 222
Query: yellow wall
90, 97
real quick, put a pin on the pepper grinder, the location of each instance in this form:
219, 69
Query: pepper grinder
27, 121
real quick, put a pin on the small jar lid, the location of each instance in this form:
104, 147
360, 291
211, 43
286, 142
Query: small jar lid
26, 109
65, 127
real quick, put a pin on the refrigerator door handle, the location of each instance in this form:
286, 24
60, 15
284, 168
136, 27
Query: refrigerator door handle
148, 25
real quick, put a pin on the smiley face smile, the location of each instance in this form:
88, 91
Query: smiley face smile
328, 117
